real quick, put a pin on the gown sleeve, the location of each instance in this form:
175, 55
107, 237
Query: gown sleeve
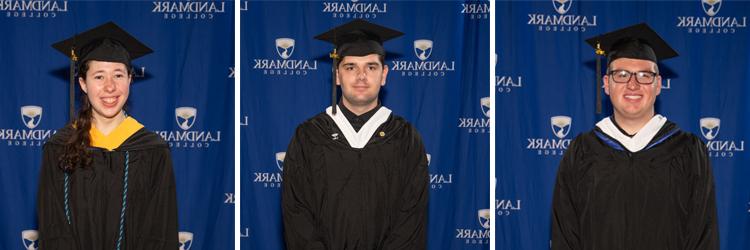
702, 228
566, 229
409, 226
159, 230
54, 230
300, 230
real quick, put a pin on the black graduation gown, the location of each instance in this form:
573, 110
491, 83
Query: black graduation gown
338, 197
95, 197
661, 197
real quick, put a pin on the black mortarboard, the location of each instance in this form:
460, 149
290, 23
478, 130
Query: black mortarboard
355, 38
107, 42
637, 42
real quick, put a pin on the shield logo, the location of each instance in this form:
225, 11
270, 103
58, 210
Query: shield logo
185, 239
185, 117
31, 115
485, 101
562, 6
561, 125
710, 127
711, 7
284, 47
484, 218
29, 238
429, 159
280, 160
423, 48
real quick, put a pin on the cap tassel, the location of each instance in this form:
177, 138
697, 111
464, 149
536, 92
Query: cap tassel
599, 54
335, 58
71, 88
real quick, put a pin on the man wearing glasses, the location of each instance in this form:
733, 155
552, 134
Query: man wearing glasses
636, 181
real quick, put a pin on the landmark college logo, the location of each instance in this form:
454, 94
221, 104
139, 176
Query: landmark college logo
284, 47
562, 6
505, 84
560, 126
506, 207
477, 125
438, 180
484, 218
711, 7
476, 10
185, 239
280, 160
33, 8
562, 22
422, 67
185, 118
712, 22
283, 65
710, 127
478, 235
354, 9
485, 105
423, 48
272, 179
27, 135
31, 116
188, 10
30, 239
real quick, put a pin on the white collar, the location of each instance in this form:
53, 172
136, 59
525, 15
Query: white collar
359, 139
640, 140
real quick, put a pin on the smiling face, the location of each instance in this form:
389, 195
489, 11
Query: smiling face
107, 85
360, 78
632, 100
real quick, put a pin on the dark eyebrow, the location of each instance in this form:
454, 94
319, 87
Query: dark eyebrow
101, 70
366, 64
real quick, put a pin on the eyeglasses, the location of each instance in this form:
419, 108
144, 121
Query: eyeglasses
642, 77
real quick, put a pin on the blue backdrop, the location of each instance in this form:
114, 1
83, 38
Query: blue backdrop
447, 104
191, 67
545, 69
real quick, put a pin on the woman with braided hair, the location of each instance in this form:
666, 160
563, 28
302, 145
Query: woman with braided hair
106, 182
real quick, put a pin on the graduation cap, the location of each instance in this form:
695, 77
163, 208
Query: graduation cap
636, 42
355, 38
107, 42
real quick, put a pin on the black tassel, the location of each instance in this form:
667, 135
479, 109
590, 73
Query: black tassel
597, 83
335, 58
